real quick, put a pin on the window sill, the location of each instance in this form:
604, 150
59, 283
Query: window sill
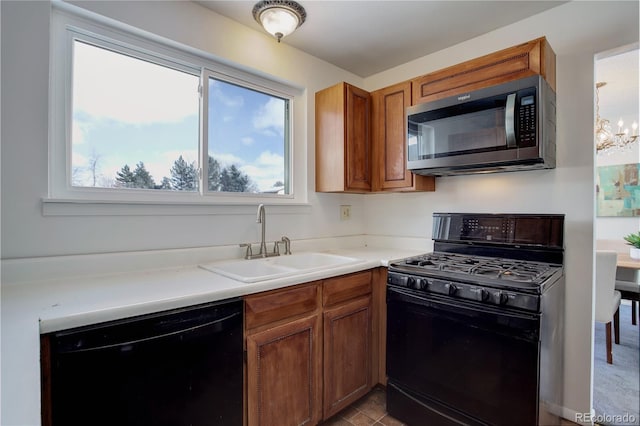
76, 207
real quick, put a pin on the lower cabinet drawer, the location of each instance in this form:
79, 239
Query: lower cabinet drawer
340, 289
273, 306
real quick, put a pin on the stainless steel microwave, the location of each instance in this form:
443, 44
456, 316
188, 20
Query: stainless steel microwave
507, 127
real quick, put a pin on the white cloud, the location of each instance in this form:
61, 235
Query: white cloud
247, 140
267, 158
78, 160
77, 133
270, 117
228, 101
112, 86
227, 159
266, 170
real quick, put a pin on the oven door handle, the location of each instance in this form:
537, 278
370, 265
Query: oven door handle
453, 305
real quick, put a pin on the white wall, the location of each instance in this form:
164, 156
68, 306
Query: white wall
26, 232
576, 31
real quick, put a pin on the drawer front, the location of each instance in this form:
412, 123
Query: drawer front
278, 305
336, 290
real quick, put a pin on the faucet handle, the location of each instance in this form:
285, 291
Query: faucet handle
249, 253
287, 245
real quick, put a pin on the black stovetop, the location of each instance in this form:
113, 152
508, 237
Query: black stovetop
520, 274
520, 271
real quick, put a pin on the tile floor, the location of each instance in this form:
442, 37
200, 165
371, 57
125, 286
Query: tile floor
372, 410
369, 410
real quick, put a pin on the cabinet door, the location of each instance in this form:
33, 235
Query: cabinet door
284, 374
343, 143
358, 140
347, 354
389, 142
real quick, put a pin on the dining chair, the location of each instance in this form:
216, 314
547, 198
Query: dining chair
628, 285
607, 297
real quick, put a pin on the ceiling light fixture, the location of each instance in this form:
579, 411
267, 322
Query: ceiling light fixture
606, 140
279, 17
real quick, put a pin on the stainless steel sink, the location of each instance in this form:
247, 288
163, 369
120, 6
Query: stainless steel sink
250, 271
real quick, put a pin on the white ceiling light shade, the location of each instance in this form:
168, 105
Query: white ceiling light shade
279, 17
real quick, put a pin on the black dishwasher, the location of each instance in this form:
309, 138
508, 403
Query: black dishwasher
178, 367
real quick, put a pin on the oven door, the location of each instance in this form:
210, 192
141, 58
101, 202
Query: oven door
456, 362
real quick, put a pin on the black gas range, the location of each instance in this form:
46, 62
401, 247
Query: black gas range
475, 328
496, 281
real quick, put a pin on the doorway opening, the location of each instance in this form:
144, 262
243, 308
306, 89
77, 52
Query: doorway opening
617, 166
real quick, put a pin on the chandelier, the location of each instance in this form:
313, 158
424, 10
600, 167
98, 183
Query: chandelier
606, 139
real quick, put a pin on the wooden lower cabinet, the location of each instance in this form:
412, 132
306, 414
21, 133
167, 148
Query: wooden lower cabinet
284, 374
347, 354
309, 350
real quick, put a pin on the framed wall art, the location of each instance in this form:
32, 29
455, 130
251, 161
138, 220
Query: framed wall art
617, 190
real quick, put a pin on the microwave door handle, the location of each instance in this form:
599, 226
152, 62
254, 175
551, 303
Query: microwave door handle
509, 120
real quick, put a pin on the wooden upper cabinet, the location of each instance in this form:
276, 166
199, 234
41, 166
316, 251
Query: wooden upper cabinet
527, 59
389, 131
343, 142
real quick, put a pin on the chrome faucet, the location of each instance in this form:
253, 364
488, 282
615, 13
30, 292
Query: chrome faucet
261, 218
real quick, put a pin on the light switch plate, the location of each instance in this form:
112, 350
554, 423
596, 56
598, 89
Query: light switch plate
345, 212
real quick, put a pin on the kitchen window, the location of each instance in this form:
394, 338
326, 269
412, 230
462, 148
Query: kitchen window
134, 120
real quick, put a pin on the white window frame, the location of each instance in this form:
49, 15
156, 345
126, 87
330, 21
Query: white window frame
68, 26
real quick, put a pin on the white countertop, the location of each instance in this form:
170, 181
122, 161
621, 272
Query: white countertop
31, 308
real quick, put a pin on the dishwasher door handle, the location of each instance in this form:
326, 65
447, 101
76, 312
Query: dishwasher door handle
220, 324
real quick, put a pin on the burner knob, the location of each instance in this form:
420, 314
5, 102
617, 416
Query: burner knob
415, 283
482, 295
451, 289
500, 298
411, 282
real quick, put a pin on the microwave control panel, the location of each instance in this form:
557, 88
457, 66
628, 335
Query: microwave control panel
527, 121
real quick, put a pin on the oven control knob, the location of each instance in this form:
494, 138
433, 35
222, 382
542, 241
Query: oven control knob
451, 289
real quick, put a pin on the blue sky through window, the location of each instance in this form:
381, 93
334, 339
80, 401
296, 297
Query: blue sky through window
246, 128
127, 110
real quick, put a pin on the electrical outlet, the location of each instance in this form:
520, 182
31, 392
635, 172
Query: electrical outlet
345, 212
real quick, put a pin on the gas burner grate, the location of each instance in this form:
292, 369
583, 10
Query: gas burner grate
487, 268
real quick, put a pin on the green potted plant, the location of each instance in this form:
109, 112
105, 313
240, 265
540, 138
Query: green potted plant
634, 241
